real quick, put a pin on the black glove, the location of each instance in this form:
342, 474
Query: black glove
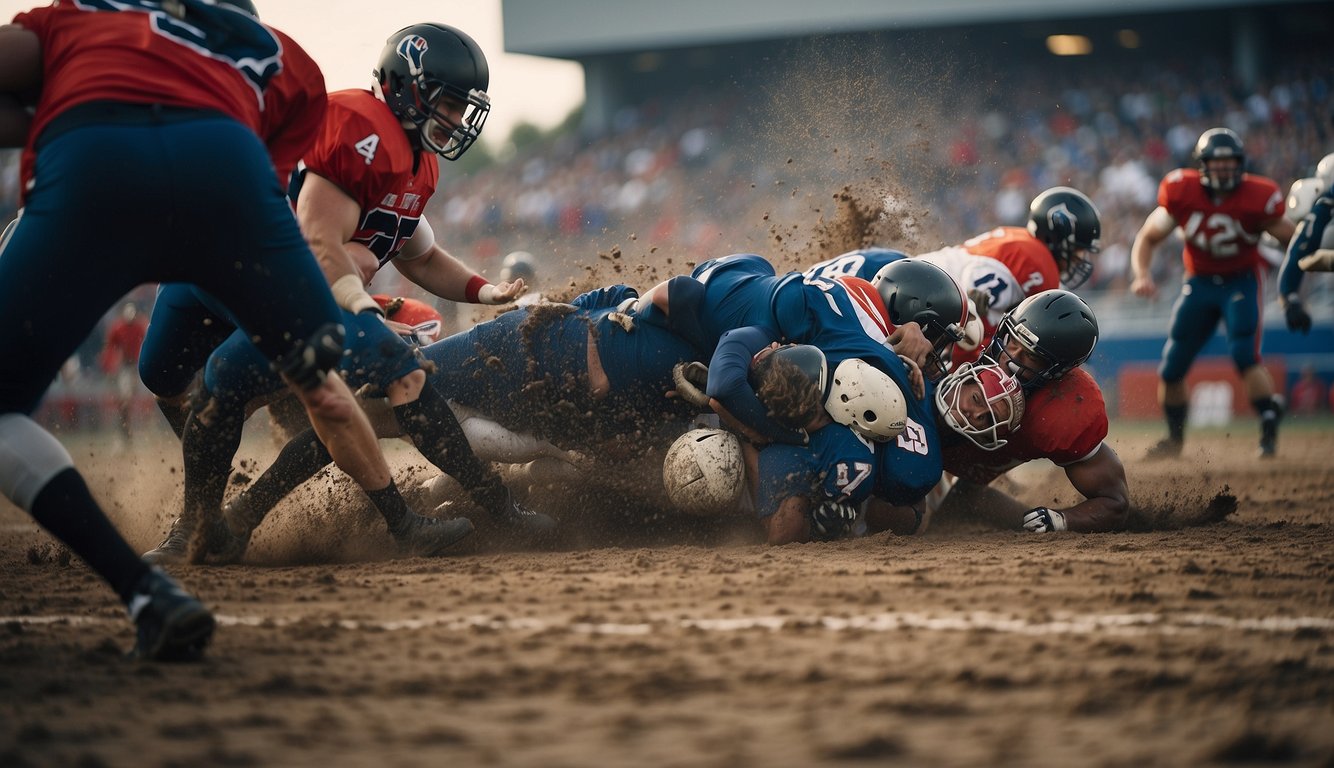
1298, 319
832, 520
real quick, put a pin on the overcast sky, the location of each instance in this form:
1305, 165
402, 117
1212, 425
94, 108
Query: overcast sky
345, 38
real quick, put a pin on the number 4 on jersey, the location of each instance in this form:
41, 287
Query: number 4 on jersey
367, 147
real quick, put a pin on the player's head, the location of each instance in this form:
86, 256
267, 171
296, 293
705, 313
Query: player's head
920, 292
981, 401
704, 472
1067, 222
434, 77
790, 380
1324, 170
866, 399
519, 264
1220, 156
1044, 337
1301, 196
422, 323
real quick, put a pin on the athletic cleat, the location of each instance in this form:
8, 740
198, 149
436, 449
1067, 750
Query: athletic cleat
1268, 448
173, 549
1167, 448
172, 624
239, 521
419, 536
524, 522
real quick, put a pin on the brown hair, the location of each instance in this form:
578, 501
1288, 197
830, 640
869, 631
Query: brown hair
787, 391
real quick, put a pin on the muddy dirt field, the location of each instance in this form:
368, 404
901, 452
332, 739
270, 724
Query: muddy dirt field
1204, 636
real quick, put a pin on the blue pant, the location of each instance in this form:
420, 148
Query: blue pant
1204, 300
117, 205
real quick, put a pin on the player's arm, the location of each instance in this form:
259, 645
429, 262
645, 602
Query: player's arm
20, 79
1101, 478
790, 524
731, 395
428, 265
1157, 227
328, 218
1281, 229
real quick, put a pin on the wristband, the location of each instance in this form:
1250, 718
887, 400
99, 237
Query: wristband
351, 295
472, 291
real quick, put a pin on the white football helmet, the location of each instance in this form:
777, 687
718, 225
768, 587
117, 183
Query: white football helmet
866, 399
1301, 196
704, 472
1324, 170
954, 400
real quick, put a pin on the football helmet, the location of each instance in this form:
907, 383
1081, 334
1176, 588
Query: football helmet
424, 69
1324, 170
867, 400
920, 292
704, 472
417, 322
955, 400
1214, 144
1301, 196
1067, 222
1056, 327
518, 264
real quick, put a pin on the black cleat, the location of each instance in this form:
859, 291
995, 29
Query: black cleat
172, 624
1167, 448
419, 536
525, 523
173, 549
239, 522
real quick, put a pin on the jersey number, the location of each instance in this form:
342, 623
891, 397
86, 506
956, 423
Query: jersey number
849, 479
913, 438
389, 231
1217, 236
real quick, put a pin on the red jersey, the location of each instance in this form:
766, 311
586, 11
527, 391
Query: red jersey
1220, 236
1064, 421
264, 81
363, 149
123, 341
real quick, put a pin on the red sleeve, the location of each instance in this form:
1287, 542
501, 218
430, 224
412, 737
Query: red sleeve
336, 156
295, 104
1074, 422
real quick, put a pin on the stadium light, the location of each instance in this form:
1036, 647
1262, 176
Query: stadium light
1069, 45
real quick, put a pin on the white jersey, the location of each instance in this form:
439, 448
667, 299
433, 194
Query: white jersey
980, 273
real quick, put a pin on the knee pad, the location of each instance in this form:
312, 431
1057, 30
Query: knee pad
29, 458
307, 365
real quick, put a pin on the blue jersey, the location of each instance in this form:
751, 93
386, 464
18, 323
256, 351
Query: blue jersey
528, 370
864, 263
837, 464
1313, 233
730, 384
909, 466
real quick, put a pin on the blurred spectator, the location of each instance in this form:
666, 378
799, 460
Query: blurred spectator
1308, 393
120, 359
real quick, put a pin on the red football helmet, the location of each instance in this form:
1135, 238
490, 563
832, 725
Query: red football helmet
421, 323
962, 407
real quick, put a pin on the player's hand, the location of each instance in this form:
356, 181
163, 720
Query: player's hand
501, 293
974, 330
1297, 317
915, 377
832, 520
691, 380
1145, 286
908, 341
1320, 261
1043, 520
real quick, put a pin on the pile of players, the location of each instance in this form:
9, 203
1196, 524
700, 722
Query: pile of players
863, 379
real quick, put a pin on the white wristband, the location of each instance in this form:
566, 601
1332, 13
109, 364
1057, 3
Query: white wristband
351, 295
486, 294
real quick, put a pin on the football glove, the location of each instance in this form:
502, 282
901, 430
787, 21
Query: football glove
1297, 317
1043, 520
832, 520
691, 380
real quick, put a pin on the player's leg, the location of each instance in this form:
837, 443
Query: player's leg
1194, 317
1244, 319
45, 257
182, 332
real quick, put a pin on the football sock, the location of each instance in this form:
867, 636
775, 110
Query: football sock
298, 461
391, 505
208, 449
436, 432
1176, 422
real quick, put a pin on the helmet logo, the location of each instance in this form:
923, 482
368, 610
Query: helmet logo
1062, 222
412, 49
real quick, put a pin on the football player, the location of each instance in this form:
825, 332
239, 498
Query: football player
145, 117
1310, 206
1043, 341
1221, 212
359, 195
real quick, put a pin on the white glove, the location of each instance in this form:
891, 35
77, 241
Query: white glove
1320, 261
1043, 520
691, 379
832, 520
973, 330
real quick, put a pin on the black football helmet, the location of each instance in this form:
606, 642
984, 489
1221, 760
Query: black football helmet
518, 264
920, 292
1066, 221
425, 64
1057, 326
1214, 144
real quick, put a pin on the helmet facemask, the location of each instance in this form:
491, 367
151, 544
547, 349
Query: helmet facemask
435, 123
984, 388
